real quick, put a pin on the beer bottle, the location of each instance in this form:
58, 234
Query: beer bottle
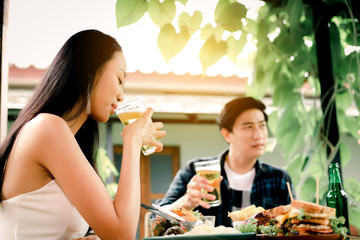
336, 197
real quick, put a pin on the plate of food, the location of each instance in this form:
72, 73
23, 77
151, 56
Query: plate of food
331, 236
161, 228
225, 236
298, 220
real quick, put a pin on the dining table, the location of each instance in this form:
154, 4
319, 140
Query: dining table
244, 236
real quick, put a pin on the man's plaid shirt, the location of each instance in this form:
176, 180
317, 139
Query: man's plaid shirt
269, 188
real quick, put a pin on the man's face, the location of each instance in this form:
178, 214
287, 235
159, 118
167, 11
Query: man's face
249, 136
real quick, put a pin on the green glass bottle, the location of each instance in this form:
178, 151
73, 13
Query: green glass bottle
336, 197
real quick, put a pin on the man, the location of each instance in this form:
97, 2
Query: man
246, 180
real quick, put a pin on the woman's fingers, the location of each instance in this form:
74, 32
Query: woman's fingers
160, 134
151, 132
148, 113
159, 146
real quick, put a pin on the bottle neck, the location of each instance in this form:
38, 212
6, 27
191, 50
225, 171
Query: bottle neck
334, 178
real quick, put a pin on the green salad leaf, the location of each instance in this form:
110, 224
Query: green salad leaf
270, 230
335, 222
196, 213
301, 215
249, 227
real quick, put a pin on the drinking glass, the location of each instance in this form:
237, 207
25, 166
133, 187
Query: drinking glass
207, 220
129, 111
211, 171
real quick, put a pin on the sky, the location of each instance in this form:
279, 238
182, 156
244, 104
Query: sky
38, 28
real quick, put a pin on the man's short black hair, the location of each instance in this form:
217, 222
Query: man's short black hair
234, 108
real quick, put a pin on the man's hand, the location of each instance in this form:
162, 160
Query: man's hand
193, 196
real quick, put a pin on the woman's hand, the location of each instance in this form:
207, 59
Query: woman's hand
194, 195
146, 132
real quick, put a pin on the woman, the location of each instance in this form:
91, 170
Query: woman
48, 183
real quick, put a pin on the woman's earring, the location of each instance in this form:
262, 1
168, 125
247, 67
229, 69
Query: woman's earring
88, 106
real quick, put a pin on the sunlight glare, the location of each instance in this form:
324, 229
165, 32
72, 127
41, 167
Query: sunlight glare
349, 49
33, 41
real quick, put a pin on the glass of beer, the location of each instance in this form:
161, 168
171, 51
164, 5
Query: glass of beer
211, 171
129, 111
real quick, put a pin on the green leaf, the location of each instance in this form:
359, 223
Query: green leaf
301, 60
284, 92
290, 133
207, 31
235, 46
355, 216
343, 100
162, 13
104, 165
341, 120
345, 154
211, 52
218, 33
295, 9
352, 187
262, 82
222, 4
347, 124
266, 58
170, 43
129, 11
356, 95
308, 190
284, 42
231, 15
352, 125
317, 165
263, 31
294, 169
248, 227
273, 120
336, 49
251, 27
191, 22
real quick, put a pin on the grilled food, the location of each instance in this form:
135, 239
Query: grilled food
297, 218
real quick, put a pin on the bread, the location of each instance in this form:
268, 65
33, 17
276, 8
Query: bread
314, 210
243, 214
281, 210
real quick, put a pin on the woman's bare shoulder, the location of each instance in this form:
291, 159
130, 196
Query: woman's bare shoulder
45, 126
46, 120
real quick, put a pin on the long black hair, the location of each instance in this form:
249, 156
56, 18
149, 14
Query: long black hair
66, 84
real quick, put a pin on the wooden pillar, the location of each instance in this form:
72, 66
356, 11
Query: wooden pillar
4, 70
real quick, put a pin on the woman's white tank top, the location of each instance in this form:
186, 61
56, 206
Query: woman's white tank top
45, 213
